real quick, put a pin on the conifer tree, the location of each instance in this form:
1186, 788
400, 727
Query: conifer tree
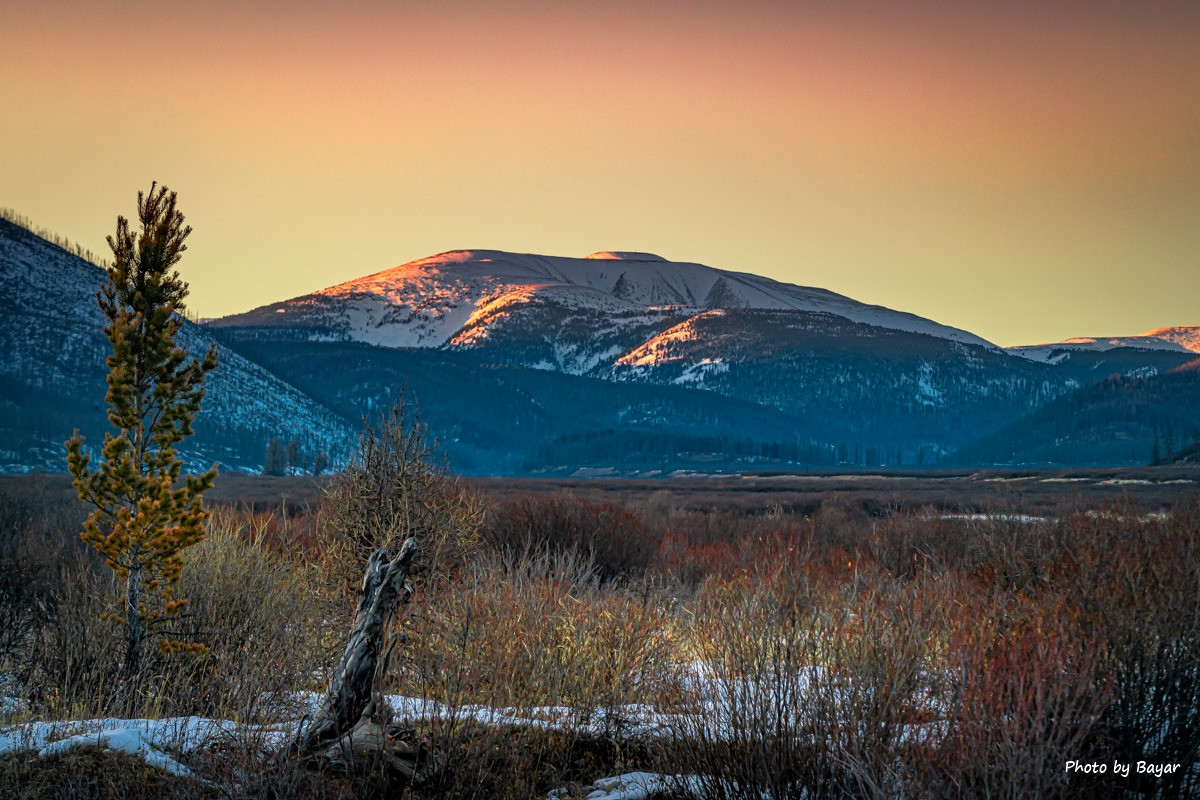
275, 460
293, 458
144, 513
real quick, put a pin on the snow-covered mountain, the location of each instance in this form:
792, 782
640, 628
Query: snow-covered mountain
468, 298
1179, 339
52, 372
525, 363
1187, 336
845, 376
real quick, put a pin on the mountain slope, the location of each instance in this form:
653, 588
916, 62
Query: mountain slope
859, 383
457, 298
498, 419
1118, 421
1183, 340
844, 375
52, 372
620, 360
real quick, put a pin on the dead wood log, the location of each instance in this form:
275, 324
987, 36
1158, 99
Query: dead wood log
371, 743
352, 723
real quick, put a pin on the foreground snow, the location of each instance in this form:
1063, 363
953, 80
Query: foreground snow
162, 743
168, 743
156, 741
636, 786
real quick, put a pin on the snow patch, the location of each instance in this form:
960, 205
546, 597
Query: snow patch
1177, 340
623, 255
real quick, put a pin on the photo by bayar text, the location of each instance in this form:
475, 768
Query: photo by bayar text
1118, 768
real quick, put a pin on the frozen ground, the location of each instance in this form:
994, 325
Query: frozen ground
168, 743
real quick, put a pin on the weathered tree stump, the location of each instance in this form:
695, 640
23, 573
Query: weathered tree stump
352, 724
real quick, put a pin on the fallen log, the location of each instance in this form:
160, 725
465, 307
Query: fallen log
352, 725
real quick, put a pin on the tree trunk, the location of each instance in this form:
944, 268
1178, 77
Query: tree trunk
351, 724
133, 622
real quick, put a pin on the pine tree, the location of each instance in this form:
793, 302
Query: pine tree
293, 457
275, 460
145, 513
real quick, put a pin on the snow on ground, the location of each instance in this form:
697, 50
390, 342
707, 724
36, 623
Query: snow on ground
713, 694
9, 705
159, 742
1022, 518
634, 786
162, 743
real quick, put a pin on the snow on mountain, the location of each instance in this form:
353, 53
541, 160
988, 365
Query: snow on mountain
52, 352
1186, 336
1178, 339
566, 328
663, 347
844, 377
453, 298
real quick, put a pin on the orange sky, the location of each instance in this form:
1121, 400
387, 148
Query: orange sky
1028, 171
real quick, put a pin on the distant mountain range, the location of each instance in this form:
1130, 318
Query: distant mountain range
1182, 339
615, 363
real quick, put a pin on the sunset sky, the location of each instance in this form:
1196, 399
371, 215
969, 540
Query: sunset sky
1026, 170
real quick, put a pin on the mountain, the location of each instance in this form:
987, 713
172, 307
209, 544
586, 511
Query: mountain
874, 384
52, 372
840, 376
538, 364
501, 419
1118, 421
1182, 341
464, 298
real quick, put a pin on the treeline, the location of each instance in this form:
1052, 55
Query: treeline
63, 242
293, 459
663, 450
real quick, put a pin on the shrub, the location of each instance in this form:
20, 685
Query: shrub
541, 637
252, 607
394, 487
612, 539
816, 684
1024, 691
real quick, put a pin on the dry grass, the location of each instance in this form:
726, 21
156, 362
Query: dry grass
94, 775
858, 653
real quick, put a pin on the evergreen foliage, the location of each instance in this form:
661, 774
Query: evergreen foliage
275, 459
295, 461
145, 514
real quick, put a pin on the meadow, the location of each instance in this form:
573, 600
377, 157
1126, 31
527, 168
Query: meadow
942, 634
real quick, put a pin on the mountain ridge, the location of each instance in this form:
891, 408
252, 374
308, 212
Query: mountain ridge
540, 364
429, 301
867, 383
1179, 338
53, 371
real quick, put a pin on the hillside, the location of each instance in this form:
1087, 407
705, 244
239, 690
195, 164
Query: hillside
52, 373
1180, 340
499, 419
853, 383
1118, 421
